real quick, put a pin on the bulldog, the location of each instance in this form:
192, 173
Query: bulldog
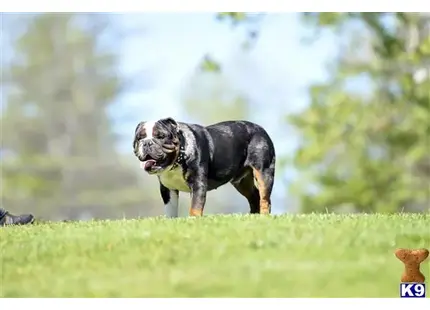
196, 159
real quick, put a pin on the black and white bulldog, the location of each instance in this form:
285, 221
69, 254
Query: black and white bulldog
197, 159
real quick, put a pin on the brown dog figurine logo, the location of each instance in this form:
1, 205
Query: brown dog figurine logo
412, 260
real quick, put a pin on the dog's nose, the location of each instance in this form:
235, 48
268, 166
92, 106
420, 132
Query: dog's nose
148, 142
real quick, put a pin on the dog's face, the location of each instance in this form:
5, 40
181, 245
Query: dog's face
156, 144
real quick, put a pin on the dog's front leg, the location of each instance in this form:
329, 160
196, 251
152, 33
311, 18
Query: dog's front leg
198, 187
171, 200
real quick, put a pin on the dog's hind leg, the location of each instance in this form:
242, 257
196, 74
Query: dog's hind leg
247, 188
264, 179
262, 159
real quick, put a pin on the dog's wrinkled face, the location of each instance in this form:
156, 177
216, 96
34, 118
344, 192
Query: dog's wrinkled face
156, 144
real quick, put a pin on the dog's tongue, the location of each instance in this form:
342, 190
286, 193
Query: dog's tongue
147, 164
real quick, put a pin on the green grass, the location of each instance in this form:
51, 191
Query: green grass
213, 256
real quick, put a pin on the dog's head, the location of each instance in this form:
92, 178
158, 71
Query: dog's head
156, 144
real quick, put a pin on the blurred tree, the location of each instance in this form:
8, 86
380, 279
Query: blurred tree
58, 148
368, 146
211, 97
365, 134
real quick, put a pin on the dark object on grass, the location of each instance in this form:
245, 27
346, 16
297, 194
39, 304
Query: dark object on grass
7, 218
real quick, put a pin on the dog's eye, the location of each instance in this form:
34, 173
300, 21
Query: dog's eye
161, 135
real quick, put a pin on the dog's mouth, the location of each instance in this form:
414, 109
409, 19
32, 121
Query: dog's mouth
150, 164
147, 165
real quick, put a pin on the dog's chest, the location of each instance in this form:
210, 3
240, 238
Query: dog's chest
174, 179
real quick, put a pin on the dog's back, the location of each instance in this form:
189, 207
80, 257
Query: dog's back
231, 147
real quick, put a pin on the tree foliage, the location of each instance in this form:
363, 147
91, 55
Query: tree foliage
211, 96
58, 146
365, 133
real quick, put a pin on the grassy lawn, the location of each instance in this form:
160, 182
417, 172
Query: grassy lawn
214, 256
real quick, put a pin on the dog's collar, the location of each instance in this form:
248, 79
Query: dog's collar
180, 159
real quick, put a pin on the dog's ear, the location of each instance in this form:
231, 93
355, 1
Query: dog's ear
135, 133
138, 127
170, 122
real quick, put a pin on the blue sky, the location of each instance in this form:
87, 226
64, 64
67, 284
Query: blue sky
173, 44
